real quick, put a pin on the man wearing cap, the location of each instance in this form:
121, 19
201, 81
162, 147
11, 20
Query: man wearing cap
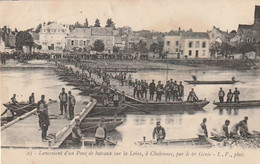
229, 96
63, 101
159, 132
236, 95
181, 91
152, 89
41, 106
72, 103
192, 97
76, 133
31, 99
44, 120
100, 133
221, 95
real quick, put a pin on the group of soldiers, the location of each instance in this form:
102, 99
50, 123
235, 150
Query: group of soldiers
238, 130
171, 90
230, 95
224, 131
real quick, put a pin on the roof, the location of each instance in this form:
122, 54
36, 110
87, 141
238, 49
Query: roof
34, 35
245, 29
102, 31
80, 33
196, 35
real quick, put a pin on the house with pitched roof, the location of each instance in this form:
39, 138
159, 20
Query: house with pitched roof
2, 43
52, 37
79, 38
195, 45
106, 34
217, 35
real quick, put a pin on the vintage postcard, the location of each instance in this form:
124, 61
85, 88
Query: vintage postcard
130, 81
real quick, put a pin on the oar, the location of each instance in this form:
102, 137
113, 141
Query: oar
109, 141
138, 109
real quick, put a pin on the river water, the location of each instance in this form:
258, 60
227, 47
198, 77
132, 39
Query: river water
182, 124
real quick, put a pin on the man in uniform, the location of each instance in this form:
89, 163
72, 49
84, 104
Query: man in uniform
229, 96
13, 99
63, 101
174, 91
32, 99
236, 95
159, 132
159, 91
72, 103
244, 128
45, 123
221, 95
100, 133
41, 106
224, 130
77, 134
181, 91
116, 98
202, 131
151, 89
192, 97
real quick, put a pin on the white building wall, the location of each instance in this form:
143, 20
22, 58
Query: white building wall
196, 50
2, 45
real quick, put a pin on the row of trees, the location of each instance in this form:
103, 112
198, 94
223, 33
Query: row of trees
226, 49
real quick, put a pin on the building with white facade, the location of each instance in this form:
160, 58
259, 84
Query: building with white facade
195, 45
172, 45
52, 37
79, 38
2, 43
216, 34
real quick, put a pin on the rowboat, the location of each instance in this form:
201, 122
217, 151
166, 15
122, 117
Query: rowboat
249, 103
211, 82
189, 142
99, 110
89, 143
98, 97
155, 106
90, 123
21, 107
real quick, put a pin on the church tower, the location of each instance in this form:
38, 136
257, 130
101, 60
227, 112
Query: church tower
257, 15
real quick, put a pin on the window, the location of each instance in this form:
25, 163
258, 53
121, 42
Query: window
197, 44
168, 43
176, 49
197, 53
177, 43
88, 42
204, 45
204, 53
190, 52
84, 42
81, 42
54, 30
72, 42
190, 44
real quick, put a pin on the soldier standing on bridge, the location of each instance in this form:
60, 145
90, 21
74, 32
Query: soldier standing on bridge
152, 89
63, 101
76, 133
72, 103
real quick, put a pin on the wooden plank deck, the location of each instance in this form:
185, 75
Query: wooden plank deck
26, 134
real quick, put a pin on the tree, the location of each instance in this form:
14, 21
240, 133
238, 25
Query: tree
97, 23
245, 47
153, 47
24, 38
160, 47
116, 49
86, 22
39, 27
110, 23
99, 46
141, 46
215, 48
226, 49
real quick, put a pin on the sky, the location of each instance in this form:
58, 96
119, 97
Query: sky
156, 15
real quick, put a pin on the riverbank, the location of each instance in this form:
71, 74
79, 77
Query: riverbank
239, 64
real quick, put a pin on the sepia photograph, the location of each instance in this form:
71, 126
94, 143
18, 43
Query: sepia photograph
130, 81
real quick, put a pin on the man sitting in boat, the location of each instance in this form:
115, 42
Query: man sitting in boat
192, 97
224, 130
202, 131
100, 133
32, 99
236, 95
116, 98
233, 78
159, 132
229, 96
76, 133
13, 99
194, 78
234, 129
244, 128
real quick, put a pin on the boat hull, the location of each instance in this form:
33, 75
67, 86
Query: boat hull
103, 111
90, 124
171, 106
189, 142
251, 103
210, 82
